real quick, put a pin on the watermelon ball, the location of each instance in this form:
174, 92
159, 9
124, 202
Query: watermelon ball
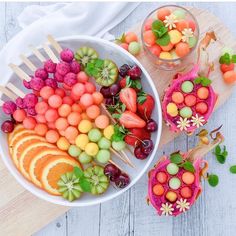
70, 79
50, 66
229, 77
55, 101
30, 100
63, 144
9, 107
84, 158
186, 192
192, 41
148, 24
86, 100
161, 177
158, 189
181, 25
124, 45
90, 87
188, 177
67, 55
174, 183
182, 49
162, 13
177, 97
155, 50
134, 48
64, 110
187, 86
186, 112
201, 108
29, 123
52, 136
167, 48
19, 115
171, 196
82, 77
203, 93
51, 83
67, 100
74, 151
7, 126
149, 38
94, 135
190, 100
75, 67
46, 92
41, 129
179, 14
61, 92
192, 25
103, 156
51, 115
37, 83
41, 73
172, 168
131, 37
63, 68
104, 143
20, 103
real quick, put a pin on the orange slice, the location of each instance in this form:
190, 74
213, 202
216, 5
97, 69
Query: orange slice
28, 154
22, 143
38, 161
52, 171
16, 129
18, 135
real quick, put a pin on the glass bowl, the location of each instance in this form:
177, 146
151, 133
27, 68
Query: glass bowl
174, 61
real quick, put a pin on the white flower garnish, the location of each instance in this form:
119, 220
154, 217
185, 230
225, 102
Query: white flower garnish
170, 21
166, 209
183, 124
187, 33
182, 205
197, 121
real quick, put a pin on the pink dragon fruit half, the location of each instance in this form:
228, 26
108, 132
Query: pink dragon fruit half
198, 109
175, 183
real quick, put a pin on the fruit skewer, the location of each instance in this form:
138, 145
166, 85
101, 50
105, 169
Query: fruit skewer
8, 93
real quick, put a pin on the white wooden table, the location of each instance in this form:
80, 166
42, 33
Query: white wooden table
215, 211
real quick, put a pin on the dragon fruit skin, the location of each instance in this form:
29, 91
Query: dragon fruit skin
157, 201
179, 79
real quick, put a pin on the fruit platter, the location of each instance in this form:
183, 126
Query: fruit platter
78, 121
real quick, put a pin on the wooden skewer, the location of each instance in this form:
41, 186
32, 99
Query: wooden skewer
37, 53
54, 43
7, 93
50, 53
20, 72
30, 65
112, 162
15, 90
121, 157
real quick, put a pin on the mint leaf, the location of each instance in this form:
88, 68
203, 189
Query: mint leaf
116, 116
232, 169
119, 133
220, 158
198, 80
217, 149
225, 59
213, 180
176, 158
220, 154
160, 32
85, 184
206, 82
137, 84
78, 172
157, 24
233, 59
187, 165
164, 40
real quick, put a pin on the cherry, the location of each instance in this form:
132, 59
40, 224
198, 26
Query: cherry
112, 172
124, 70
105, 91
151, 125
139, 154
122, 181
147, 146
7, 126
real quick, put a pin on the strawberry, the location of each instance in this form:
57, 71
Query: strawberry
135, 135
128, 97
224, 67
127, 82
130, 120
122, 83
146, 105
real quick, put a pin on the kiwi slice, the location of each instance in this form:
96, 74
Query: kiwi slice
84, 55
69, 186
99, 182
107, 74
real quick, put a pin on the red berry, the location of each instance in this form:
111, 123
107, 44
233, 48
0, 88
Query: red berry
224, 67
135, 72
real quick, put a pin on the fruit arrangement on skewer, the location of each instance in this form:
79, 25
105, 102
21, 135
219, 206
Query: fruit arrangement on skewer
61, 135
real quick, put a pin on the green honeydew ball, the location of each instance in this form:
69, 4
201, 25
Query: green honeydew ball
118, 145
186, 112
74, 151
94, 135
180, 14
172, 168
103, 156
134, 48
84, 158
104, 143
192, 41
174, 183
187, 86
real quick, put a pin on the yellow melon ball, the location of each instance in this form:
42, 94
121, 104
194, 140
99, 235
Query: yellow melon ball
84, 126
108, 131
165, 55
91, 149
175, 36
172, 109
63, 144
81, 141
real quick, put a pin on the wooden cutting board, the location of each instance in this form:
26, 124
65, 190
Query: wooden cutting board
22, 214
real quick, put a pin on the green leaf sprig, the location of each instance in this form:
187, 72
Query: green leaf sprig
119, 133
220, 154
84, 183
121, 39
213, 180
142, 97
227, 59
161, 32
178, 160
203, 81
136, 84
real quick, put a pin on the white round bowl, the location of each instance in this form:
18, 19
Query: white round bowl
112, 51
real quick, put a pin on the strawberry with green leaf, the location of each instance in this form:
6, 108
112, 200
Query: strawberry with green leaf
146, 105
128, 96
